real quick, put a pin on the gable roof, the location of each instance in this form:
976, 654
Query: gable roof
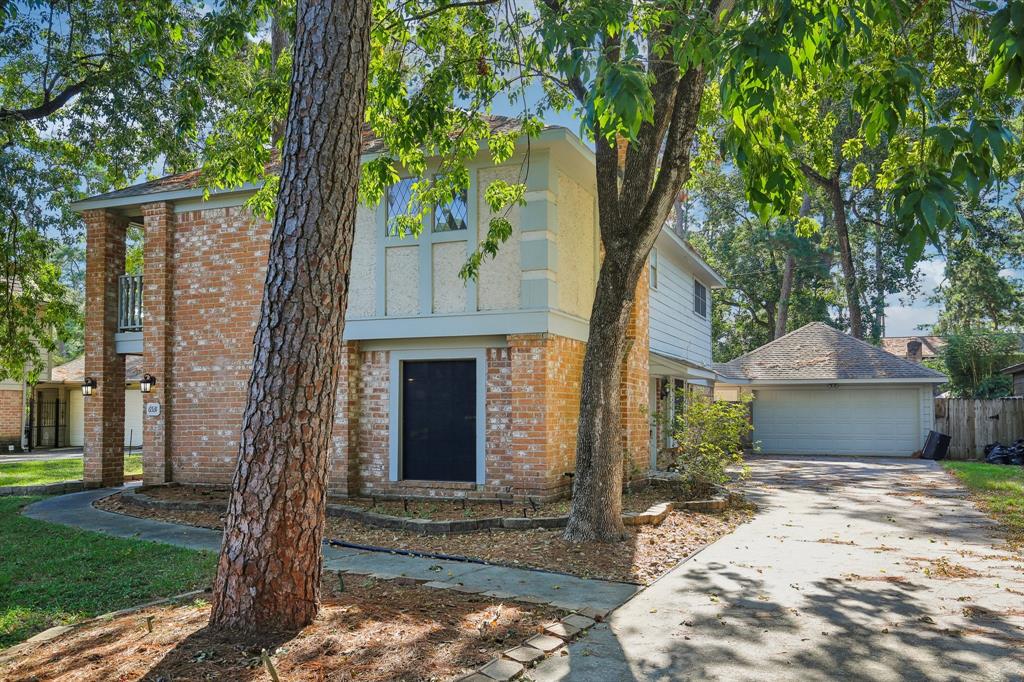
819, 353
931, 346
74, 372
190, 181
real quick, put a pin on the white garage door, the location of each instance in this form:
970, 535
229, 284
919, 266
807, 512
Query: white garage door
132, 418
838, 421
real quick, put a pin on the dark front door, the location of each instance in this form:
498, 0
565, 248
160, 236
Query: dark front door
439, 420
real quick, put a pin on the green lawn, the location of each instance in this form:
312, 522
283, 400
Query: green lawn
999, 489
52, 575
55, 470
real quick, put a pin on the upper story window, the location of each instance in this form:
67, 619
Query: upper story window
451, 216
654, 268
700, 299
398, 204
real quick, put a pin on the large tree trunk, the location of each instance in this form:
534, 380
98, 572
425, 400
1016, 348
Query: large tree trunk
835, 195
788, 275
597, 487
268, 577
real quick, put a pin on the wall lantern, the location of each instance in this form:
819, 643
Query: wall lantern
147, 383
88, 386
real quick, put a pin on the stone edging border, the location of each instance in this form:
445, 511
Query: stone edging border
59, 488
653, 516
58, 630
513, 662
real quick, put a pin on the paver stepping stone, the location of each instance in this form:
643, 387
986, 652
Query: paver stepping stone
578, 621
525, 654
502, 669
563, 630
545, 643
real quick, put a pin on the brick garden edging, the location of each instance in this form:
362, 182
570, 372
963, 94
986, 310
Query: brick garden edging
513, 662
59, 488
653, 516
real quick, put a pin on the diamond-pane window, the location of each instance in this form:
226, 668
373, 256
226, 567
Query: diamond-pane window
451, 217
399, 196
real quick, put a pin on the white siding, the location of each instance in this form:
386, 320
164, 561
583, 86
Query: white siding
677, 331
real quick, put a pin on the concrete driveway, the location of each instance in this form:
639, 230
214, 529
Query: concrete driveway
854, 569
41, 455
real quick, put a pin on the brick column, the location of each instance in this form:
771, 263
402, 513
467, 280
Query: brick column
104, 409
157, 300
634, 394
343, 479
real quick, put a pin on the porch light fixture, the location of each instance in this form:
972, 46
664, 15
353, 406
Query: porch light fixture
147, 383
88, 386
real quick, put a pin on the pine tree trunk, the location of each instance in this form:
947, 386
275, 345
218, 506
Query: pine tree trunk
596, 512
268, 577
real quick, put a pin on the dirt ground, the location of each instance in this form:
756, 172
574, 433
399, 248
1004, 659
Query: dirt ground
374, 631
647, 553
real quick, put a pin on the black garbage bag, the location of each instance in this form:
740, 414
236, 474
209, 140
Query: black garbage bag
999, 454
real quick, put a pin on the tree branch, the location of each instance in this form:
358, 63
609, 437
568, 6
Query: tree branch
49, 105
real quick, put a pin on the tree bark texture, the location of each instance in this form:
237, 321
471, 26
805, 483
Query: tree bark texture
268, 577
835, 195
635, 197
788, 276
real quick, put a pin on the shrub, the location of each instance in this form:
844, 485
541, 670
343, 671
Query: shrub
973, 359
709, 437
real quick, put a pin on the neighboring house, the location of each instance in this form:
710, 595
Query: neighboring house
14, 400
1017, 372
57, 408
914, 348
818, 391
449, 387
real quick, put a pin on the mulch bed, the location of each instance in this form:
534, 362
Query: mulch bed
374, 631
646, 554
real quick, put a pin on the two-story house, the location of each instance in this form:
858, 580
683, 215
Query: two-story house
449, 387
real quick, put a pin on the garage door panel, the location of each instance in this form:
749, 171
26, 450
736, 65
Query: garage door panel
877, 421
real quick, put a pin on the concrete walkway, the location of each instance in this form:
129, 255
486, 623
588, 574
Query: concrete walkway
41, 455
839, 577
562, 591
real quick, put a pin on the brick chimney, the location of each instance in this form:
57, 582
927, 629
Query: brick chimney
914, 351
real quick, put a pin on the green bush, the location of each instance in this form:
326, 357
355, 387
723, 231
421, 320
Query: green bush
972, 362
709, 437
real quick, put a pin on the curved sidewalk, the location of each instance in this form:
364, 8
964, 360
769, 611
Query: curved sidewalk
561, 591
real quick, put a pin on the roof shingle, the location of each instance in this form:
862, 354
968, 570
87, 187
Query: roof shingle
818, 352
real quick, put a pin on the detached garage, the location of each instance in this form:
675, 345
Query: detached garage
818, 391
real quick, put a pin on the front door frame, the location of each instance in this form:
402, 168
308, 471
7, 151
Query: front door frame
395, 403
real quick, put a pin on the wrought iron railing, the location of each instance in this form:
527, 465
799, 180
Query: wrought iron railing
129, 303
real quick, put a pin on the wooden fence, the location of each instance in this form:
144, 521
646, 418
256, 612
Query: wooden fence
973, 424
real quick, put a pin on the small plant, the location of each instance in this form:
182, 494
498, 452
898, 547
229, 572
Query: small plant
709, 437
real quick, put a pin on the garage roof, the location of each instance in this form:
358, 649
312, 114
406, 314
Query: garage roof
819, 353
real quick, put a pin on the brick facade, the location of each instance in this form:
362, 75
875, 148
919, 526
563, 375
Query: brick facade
634, 394
104, 410
203, 284
11, 413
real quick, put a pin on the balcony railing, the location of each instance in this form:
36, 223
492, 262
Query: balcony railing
129, 303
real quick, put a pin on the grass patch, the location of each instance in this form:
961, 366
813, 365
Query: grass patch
55, 575
55, 470
1000, 491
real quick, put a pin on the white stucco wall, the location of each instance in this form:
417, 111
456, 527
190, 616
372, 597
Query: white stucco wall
362, 300
449, 290
500, 278
402, 280
577, 247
